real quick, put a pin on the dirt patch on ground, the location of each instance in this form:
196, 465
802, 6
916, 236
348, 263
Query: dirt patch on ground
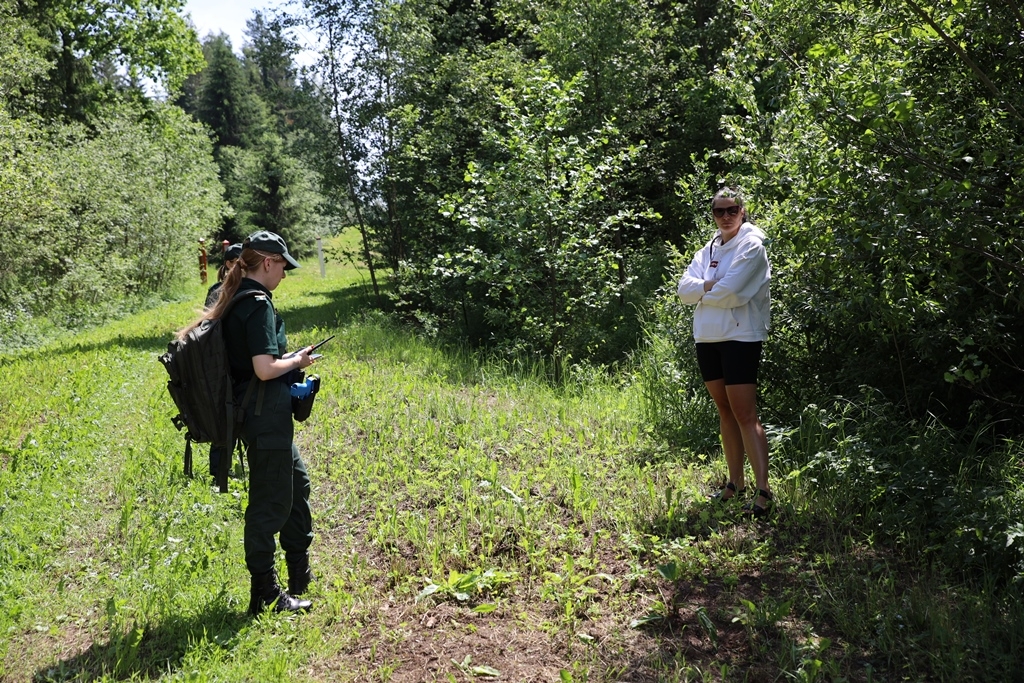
532, 636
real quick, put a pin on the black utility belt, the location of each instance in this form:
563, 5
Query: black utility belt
303, 392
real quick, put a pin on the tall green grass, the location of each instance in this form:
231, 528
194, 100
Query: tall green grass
473, 518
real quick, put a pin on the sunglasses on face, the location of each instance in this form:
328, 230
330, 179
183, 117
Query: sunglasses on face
721, 211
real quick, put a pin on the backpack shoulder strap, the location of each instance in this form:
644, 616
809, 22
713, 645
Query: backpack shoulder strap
238, 297
223, 467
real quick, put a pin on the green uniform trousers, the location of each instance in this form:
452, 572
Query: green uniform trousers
278, 481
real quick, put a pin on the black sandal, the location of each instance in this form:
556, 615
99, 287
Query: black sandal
755, 510
720, 496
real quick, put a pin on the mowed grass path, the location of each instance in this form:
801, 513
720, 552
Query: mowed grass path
473, 523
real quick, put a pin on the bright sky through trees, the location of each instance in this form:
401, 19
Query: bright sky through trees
228, 16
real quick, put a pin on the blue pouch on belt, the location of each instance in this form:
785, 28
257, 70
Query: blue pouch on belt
303, 394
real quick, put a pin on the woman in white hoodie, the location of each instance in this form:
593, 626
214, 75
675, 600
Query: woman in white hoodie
728, 282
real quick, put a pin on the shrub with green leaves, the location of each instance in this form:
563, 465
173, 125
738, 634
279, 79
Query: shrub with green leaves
116, 211
540, 254
879, 142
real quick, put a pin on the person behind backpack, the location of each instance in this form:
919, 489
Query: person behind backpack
278, 483
231, 255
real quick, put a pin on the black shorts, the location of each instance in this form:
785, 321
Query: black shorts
735, 361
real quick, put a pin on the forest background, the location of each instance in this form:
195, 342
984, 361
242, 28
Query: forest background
528, 179
525, 176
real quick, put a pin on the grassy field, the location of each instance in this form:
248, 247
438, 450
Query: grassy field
473, 523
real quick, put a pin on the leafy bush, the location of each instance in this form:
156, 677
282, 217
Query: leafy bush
928, 490
893, 203
674, 401
539, 254
116, 211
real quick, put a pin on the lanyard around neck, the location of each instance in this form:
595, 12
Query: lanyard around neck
711, 251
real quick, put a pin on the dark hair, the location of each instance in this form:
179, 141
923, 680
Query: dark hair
734, 193
224, 268
231, 254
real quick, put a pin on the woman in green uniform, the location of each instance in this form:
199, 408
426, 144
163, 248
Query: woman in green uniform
261, 368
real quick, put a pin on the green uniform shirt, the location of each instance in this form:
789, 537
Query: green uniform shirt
212, 293
253, 328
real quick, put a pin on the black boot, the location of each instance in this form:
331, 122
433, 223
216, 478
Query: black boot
299, 574
265, 592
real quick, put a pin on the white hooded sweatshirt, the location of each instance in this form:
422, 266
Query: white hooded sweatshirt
737, 307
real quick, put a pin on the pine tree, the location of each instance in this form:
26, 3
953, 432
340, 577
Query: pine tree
226, 104
268, 58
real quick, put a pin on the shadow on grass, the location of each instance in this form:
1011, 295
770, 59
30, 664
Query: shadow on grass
694, 520
342, 306
152, 653
872, 608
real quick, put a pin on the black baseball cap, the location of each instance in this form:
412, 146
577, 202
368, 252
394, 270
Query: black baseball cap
272, 243
233, 252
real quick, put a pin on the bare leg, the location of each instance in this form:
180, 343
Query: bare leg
732, 435
742, 398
